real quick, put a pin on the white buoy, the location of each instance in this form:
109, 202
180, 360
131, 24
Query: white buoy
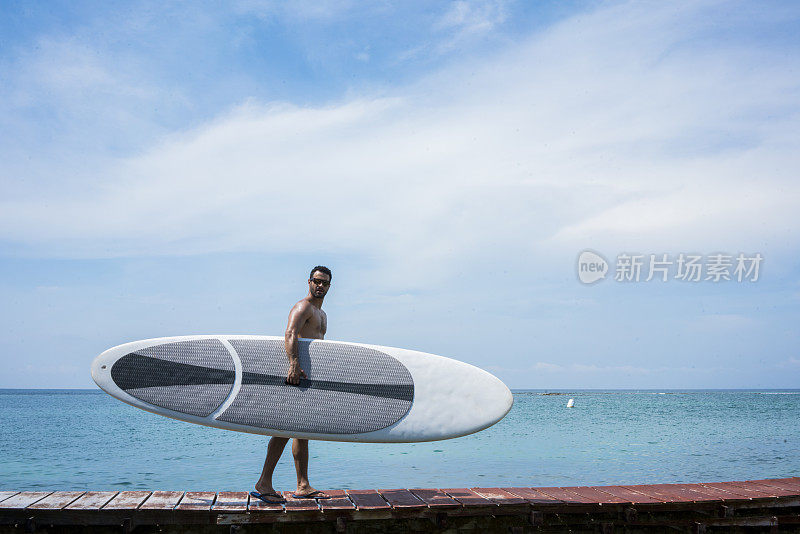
570, 403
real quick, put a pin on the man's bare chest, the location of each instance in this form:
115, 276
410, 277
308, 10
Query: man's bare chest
315, 326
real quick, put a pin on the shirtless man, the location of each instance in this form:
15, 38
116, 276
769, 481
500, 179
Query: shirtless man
305, 320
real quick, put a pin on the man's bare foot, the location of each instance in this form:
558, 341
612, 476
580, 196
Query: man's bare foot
307, 492
269, 491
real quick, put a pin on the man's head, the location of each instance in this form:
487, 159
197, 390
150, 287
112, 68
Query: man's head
319, 281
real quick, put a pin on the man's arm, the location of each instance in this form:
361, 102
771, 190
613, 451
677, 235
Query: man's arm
297, 318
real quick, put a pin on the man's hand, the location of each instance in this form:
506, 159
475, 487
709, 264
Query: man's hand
295, 373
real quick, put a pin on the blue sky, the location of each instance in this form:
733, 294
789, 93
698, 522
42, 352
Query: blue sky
176, 168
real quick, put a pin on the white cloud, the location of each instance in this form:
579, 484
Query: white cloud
69, 78
467, 19
545, 366
574, 138
70, 109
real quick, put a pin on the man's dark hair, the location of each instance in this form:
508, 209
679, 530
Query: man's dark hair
322, 269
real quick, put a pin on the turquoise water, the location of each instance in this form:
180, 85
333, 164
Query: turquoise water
84, 439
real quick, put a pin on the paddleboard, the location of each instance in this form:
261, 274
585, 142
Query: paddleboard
353, 391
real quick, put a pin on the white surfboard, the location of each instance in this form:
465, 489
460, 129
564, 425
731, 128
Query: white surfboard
354, 392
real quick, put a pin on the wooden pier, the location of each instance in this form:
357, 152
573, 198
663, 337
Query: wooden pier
771, 505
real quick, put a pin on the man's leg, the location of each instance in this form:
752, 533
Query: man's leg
274, 451
300, 452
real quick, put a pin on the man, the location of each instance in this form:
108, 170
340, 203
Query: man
305, 320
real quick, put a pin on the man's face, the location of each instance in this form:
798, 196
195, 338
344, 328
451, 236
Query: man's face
319, 283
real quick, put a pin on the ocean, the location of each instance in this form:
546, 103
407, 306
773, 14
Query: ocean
87, 440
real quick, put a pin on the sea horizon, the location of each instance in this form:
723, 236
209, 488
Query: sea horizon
520, 390
559, 391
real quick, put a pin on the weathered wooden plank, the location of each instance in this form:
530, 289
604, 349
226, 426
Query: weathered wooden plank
23, 499
633, 497
565, 495
338, 501
6, 494
533, 496
293, 504
690, 492
257, 505
678, 492
787, 483
127, 500
716, 493
231, 501
368, 500
737, 487
500, 496
772, 491
596, 494
401, 498
91, 500
197, 500
435, 498
162, 500
652, 490
468, 497
784, 484
734, 491
56, 500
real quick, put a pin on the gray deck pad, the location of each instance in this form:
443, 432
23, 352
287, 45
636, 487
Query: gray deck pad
350, 389
191, 377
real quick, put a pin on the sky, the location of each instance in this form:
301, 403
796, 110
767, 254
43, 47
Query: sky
176, 168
